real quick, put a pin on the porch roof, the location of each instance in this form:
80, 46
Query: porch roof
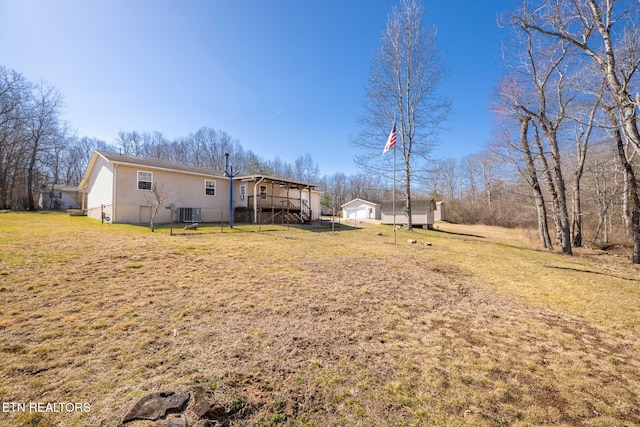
287, 183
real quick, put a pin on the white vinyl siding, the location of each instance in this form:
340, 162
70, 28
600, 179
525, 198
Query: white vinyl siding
100, 185
183, 190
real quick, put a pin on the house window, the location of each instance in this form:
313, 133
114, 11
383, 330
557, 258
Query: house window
243, 192
210, 187
144, 180
263, 191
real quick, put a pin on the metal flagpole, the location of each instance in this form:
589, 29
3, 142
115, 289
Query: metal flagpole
394, 181
392, 141
393, 190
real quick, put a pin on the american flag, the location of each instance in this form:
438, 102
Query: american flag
391, 141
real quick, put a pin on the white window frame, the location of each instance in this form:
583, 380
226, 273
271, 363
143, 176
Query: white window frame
208, 187
243, 191
140, 181
263, 191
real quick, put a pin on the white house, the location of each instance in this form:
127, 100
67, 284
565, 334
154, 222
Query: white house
422, 213
360, 209
119, 188
59, 197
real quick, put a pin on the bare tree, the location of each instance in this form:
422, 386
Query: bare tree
76, 157
403, 84
305, 169
585, 119
443, 178
633, 185
545, 67
156, 198
603, 176
15, 93
365, 187
281, 168
518, 148
626, 209
336, 186
43, 122
130, 143
209, 147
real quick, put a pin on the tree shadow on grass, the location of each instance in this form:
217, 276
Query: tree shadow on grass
458, 234
214, 228
326, 227
579, 270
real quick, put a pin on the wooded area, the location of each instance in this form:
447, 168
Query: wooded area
566, 114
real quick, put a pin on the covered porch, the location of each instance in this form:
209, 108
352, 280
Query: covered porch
277, 200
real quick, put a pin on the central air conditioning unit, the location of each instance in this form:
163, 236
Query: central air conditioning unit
189, 214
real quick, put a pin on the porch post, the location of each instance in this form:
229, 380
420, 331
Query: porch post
255, 200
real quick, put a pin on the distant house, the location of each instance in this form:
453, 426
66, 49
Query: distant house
119, 188
60, 197
360, 209
422, 213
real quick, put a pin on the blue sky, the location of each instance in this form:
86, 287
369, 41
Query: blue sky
283, 77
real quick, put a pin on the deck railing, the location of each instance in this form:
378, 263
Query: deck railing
275, 202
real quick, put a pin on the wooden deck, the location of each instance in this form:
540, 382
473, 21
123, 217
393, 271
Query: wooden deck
281, 209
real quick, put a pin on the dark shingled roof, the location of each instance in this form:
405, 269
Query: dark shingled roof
163, 164
158, 164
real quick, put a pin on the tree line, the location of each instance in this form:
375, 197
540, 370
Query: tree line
38, 149
567, 115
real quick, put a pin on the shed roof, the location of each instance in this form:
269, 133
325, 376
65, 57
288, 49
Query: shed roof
62, 188
416, 205
357, 199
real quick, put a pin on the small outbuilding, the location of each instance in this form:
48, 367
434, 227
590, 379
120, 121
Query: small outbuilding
440, 212
422, 213
360, 209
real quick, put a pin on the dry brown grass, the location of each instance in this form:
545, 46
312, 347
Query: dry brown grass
306, 327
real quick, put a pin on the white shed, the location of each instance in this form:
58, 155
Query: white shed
360, 209
440, 214
422, 212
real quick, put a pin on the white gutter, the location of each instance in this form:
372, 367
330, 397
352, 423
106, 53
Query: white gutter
255, 200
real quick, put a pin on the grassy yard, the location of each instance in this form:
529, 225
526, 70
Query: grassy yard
305, 327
